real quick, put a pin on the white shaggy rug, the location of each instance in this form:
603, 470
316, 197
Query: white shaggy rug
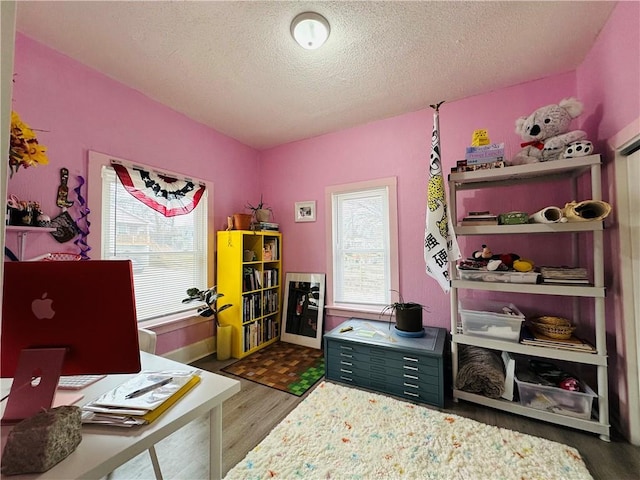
339, 432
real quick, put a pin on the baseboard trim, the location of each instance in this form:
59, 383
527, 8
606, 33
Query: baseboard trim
195, 351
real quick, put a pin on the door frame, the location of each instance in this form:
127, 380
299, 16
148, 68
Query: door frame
626, 209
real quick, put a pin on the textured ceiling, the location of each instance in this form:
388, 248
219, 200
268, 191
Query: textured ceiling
234, 66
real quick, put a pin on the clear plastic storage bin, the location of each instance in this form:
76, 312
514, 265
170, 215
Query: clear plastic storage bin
557, 400
483, 318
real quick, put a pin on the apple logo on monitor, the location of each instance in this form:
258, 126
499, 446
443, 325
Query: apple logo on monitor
42, 308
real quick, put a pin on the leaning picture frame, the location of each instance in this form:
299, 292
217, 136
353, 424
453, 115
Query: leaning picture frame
303, 312
306, 211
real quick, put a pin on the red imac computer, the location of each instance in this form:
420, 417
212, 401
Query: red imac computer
64, 318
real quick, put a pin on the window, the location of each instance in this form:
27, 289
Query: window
363, 262
169, 254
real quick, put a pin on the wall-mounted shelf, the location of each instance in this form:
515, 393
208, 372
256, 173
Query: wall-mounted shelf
22, 231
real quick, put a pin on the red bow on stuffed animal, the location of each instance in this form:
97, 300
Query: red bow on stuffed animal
536, 143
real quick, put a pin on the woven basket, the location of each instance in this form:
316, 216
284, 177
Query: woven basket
553, 327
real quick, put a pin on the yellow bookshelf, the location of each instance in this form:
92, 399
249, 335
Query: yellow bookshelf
249, 273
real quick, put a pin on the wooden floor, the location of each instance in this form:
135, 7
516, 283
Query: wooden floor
251, 414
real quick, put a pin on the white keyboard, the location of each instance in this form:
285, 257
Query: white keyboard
77, 382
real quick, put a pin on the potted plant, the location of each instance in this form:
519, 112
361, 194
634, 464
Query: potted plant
210, 298
223, 332
408, 315
261, 212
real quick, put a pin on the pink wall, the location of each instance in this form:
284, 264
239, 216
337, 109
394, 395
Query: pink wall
609, 83
82, 110
399, 147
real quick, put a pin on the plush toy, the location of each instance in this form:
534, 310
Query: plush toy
546, 133
484, 254
503, 261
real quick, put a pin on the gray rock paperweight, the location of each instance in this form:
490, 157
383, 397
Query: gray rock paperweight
39, 442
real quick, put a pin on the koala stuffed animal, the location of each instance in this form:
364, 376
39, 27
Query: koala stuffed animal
546, 132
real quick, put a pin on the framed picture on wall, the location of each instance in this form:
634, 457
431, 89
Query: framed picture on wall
306, 211
303, 315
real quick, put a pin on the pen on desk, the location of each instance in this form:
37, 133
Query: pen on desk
150, 388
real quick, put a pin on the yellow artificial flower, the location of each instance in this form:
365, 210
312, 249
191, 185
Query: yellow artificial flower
24, 148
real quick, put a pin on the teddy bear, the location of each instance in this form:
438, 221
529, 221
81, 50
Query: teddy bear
546, 133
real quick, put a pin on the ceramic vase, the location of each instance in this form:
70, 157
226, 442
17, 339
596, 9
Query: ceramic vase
223, 342
241, 221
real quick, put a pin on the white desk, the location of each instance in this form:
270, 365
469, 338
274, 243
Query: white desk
104, 448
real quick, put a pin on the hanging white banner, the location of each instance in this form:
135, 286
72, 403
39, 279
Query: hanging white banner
440, 244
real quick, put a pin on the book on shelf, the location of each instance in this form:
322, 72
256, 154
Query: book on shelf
572, 273
269, 226
270, 277
478, 220
123, 406
481, 214
464, 166
484, 154
531, 337
249, 279
566, 281
250, 306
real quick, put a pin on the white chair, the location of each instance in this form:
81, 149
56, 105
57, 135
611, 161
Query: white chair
147, 340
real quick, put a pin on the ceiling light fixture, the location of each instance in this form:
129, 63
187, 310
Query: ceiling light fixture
310, 30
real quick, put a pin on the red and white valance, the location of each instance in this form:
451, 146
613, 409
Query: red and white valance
166, 195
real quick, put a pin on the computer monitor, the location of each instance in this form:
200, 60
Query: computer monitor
82, 309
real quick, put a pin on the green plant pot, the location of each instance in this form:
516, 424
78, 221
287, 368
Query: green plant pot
409, 317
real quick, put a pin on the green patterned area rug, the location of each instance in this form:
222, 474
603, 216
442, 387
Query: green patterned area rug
284, 366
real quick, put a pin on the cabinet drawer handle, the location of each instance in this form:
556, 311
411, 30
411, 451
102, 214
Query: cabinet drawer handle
344, 347
413, 394
409, 367
412, 377
346, 355
344, 370
348, 364
411, 385
346, 379
409, 359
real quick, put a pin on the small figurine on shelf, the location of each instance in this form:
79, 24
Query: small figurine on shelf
480, 137
484, 254
63, 190
39, 219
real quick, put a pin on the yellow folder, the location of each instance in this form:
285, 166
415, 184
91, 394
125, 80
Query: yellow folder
156, 412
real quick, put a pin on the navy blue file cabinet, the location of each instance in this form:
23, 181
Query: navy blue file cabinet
371, 354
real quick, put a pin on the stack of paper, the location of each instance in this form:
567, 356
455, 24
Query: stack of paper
141, 399
531, 337
571, 275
